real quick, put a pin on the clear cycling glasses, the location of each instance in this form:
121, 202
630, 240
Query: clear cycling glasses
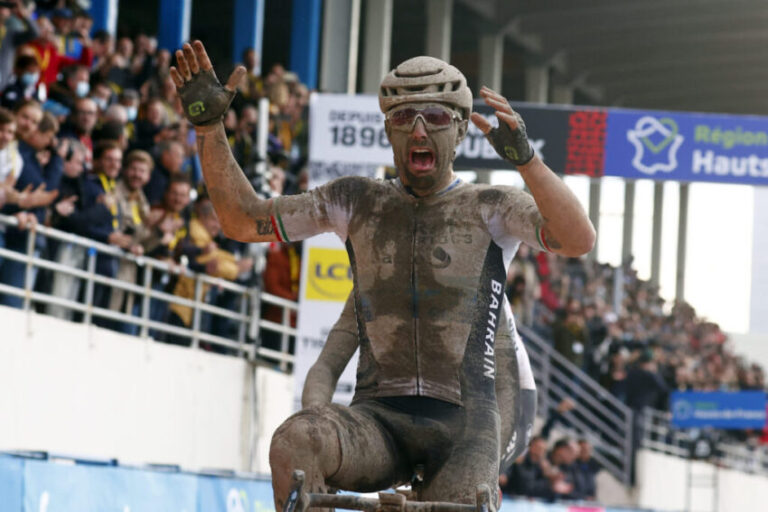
435, 117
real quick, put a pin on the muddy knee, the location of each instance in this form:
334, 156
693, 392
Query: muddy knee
306, 441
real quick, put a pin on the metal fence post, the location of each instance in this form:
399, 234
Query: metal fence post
284, 337
253, 327
145, 301
197, 313
629, 452
241, 326
31, 235
545, 367
89, 286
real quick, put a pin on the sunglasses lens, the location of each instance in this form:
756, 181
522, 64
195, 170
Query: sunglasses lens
403, 116
437, 116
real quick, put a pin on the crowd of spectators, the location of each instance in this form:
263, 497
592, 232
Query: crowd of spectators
619, 330
92, 142
562, 470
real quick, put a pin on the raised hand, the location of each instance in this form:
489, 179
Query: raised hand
510, 139
204, 99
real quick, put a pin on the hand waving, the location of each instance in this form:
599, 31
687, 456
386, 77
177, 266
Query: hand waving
204, 99
510, 139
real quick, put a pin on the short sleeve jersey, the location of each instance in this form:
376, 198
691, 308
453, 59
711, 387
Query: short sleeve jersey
429, 274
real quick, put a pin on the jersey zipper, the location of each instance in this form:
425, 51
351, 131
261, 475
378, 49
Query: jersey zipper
415, 298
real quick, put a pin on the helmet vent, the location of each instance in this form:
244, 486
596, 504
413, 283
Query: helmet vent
417, 73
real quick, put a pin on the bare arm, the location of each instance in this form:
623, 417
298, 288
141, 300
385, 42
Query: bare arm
564, 226
244, 215
339, 347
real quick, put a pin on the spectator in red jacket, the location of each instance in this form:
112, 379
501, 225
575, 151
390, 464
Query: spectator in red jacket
46, 51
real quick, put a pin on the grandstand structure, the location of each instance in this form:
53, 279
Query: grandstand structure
123, 419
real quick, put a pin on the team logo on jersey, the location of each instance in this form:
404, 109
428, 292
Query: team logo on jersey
656, 143
440, 258
329, 275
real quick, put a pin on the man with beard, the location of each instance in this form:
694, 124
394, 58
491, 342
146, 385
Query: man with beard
428, 254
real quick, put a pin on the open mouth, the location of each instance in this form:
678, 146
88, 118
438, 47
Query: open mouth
421, 159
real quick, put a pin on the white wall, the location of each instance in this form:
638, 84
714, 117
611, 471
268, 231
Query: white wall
91, 392
758, 305
662, 484
753, 346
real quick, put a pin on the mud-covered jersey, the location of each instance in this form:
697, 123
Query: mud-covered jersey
429, 275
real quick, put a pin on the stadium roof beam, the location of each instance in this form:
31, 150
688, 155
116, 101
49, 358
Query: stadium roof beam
719, 62
583, 25
512, 28
568, 11
645, 84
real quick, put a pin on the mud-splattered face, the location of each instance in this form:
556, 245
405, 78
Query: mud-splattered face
423, 150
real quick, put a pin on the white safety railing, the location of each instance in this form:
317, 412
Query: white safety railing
599, 415
660, 435
247, 318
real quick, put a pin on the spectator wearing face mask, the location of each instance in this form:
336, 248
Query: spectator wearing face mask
73, 85
129, 100
102, 95
24, 83
13, 35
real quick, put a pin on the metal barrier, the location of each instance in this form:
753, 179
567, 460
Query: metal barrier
247, 319
659, 435
598, 415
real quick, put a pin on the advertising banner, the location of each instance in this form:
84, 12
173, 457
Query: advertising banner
596, 142
737, 410
30, 485
11, 483
687, 147
50, 487
234, 495
509, 505
548, 131
348, 129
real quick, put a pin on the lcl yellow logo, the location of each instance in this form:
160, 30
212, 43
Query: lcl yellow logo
330, 276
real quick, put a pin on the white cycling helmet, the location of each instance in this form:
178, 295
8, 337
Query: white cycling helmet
425, 79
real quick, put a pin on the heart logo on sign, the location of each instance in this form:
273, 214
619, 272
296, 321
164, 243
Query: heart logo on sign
654, 159
664, 126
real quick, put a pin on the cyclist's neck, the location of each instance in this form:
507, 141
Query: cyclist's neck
424, 188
